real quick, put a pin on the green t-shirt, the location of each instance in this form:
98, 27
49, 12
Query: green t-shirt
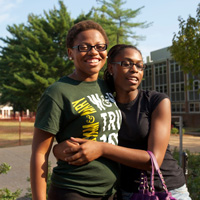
84, 110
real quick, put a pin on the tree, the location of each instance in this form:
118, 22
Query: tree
185, 47
118, 23
34, 58
35, 55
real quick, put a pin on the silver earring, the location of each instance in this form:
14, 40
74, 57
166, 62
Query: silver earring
70, 58
106, 56
111, 74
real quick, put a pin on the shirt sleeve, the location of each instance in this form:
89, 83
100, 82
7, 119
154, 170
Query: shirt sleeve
156, 98
48, 115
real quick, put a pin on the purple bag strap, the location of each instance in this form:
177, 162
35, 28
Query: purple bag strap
144, 187
155, 164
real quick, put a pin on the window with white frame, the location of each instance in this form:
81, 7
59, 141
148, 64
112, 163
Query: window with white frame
177, 86
194, 92
194, 107
161, 77
178, 108
147, 78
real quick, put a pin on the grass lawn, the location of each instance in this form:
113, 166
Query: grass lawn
191, 129
13, 133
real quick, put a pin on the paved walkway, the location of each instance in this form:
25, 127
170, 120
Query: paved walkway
19, 157
190, 142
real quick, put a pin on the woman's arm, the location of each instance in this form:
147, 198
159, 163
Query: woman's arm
157, 143
41, 146
160, 130
89, 150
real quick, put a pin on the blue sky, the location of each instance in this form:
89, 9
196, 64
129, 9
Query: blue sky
163, 14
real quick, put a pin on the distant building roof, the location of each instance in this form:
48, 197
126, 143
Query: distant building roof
160, 54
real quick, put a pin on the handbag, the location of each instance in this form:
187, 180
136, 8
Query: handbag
149, 193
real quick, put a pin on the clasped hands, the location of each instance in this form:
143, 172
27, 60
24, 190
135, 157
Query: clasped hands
78, 151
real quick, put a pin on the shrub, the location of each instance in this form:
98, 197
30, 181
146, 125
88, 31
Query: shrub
193, 180
4, 168
193, 177
174, 131
6, 194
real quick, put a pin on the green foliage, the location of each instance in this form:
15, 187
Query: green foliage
34, 58
35, 54
4, 168
193, 181
186, 44
176, 131
193, 178
6, 194
118, 22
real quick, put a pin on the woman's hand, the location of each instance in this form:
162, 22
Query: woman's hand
85, 152
59, 149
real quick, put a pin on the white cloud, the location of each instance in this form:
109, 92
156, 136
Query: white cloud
7, 8
3, 17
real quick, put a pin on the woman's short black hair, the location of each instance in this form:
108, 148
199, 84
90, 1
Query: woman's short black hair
84, 26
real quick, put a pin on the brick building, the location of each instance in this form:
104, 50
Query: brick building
163, 74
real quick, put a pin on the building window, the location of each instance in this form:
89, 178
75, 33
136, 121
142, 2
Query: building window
196, 85
194, 107
165, 89
191, 107
172, 77
177, 68
156, 71
197, 107
147, 79
191, 96
194, 92
177, 92
177, 88
173, 108
172, 68
172, 88
177, 82
178, 108
181, 76
182, 87
164, 69
161, 77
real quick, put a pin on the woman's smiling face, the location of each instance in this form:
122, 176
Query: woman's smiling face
127, 79
88, 64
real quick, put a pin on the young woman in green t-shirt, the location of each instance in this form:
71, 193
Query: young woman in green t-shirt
77, 105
